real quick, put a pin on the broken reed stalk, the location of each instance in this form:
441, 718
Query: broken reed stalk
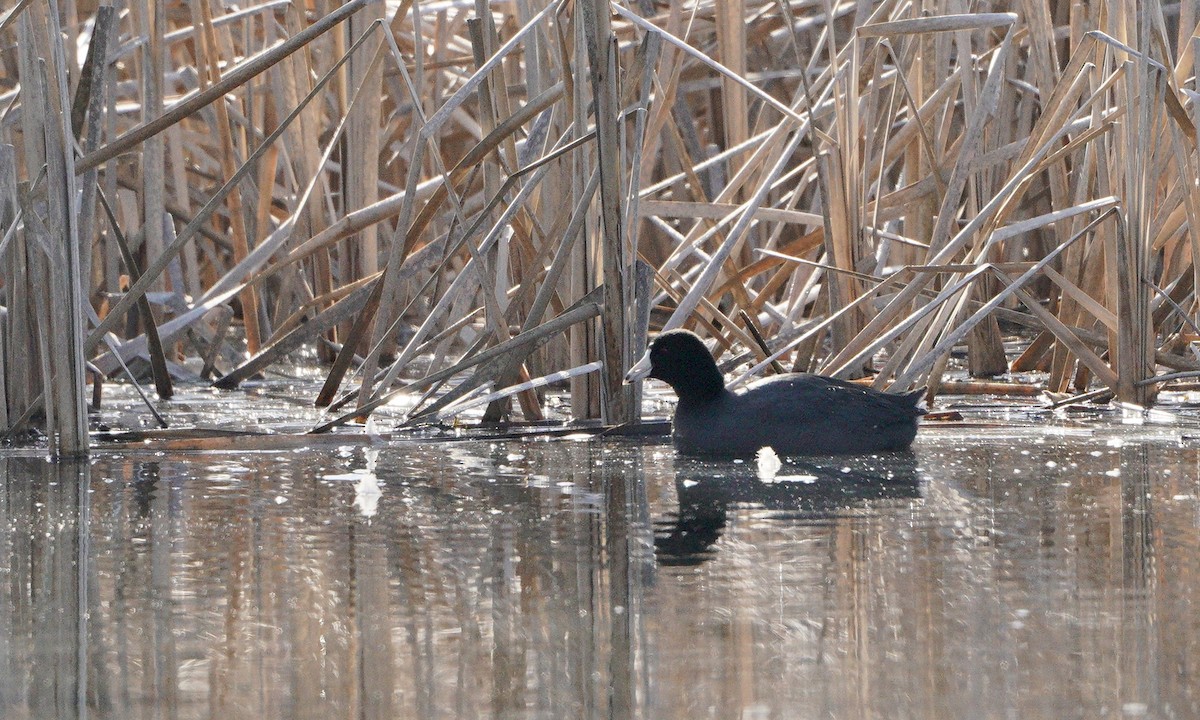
17, 385
52, 251
617, 262
210, 75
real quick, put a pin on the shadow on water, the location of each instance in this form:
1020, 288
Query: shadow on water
807, 490
1010, 578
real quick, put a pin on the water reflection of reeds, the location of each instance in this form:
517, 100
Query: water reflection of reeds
522, 580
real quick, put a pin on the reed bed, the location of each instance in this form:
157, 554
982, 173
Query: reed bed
512, 194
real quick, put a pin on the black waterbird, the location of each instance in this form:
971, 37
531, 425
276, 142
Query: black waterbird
794, 414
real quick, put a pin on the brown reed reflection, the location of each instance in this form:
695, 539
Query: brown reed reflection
523, 580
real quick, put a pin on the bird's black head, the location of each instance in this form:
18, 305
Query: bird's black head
680, 359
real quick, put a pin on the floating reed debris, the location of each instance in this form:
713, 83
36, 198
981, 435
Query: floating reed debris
859, 190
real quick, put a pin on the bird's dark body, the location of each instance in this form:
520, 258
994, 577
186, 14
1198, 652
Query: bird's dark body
794, 414
797, 414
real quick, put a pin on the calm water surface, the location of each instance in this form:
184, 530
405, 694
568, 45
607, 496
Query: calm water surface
1017, 575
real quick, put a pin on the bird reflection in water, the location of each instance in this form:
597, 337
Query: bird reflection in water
813, 489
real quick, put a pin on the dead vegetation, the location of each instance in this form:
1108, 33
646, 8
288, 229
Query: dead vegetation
516, 191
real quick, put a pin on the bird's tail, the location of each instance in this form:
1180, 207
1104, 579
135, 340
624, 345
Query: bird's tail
917, 398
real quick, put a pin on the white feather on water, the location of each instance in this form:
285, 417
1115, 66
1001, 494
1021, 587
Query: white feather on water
769, 466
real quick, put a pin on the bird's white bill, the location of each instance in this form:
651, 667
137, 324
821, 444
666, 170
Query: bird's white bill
640, 369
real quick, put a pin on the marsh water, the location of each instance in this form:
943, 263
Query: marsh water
1047, 571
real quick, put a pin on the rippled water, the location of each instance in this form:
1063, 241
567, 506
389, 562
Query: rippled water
1015, 575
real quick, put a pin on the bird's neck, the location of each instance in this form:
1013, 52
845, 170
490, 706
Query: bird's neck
702, 386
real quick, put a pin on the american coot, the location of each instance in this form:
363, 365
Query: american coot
795, 414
